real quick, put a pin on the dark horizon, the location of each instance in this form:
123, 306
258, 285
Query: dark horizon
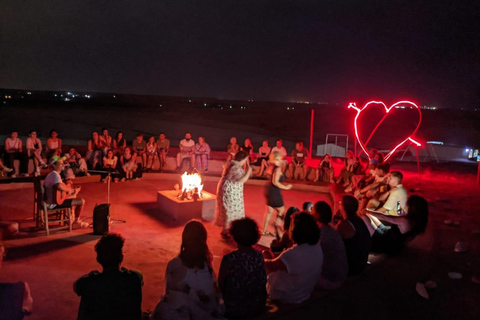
262, 50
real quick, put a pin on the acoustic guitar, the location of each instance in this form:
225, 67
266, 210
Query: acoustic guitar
60, 196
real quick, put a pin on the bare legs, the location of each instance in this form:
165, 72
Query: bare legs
278, 220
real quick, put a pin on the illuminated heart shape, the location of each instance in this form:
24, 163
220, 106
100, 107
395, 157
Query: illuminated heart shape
387, 110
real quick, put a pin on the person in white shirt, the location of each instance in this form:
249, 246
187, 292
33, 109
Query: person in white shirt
14, 151
282, 151
394, 201
34, 150
54, 180
293, 274
187, 147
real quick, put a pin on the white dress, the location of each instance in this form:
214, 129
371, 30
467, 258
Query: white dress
230, 205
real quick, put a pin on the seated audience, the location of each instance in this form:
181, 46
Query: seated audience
293, 274
202, 154
105, 141
129, 165
299, 160
324, 172
114, 293
53, 182
54, 145
119, 144
263, 155
15, 297
110, 162
377, 187
74, 160
307, 206
191, 286
248, 149
355, 235
283, 153
242, 277
335, 265
94, 150
344, 172
152, 153
163, 145
285, 241
187, 147
232, 148
14, 151
393, 202
390, 233
34, 151
355, 169
140, 149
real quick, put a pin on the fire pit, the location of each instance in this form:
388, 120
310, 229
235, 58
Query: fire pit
188, 202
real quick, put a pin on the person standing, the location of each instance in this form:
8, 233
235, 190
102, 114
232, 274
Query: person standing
14, 151
230, 201
187, 146
274, 196
202, 154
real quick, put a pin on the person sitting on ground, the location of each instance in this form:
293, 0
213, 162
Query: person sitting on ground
114, 293
202, 154
299, 160
324, 172
129, 165
94, 150
232, 148
10, 292
4, 168
335, 265
110, 162
355, 235
393, 202
152, 153
106, 141
14, 151
263, 155
163, 145
74, 160
140, 149
53, 182
191, 286
54, 145
378, 186
285, 241
187, 147
34, 151
390, 233
248, 148
345, 172
282, 151
307, 207
242, 277
293, 274
356, 170
119, 144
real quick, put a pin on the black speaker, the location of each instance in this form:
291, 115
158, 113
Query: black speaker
101, 219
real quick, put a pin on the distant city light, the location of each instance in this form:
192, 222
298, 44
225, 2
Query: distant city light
435, 142
29, 92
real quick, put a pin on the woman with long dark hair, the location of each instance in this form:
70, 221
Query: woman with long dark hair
191, 284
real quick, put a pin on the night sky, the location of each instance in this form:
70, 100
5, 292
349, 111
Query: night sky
321, 51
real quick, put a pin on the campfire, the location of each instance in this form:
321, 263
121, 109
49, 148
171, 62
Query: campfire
191, 186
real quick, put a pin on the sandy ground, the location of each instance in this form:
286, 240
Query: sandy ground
385, 291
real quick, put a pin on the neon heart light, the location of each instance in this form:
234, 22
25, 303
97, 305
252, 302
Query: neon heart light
352, 105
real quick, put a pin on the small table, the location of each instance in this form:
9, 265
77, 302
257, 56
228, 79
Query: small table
184, 210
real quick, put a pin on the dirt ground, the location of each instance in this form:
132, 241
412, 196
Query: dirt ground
385, 291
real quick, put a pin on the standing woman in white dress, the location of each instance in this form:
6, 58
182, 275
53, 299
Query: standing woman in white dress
230, 205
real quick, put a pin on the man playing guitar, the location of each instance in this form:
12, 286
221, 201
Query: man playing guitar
53, 183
